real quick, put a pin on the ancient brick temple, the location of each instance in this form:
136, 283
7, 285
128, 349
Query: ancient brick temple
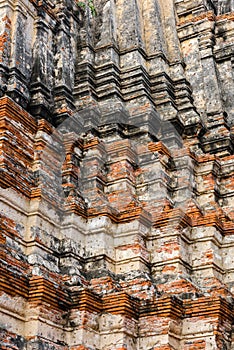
117, 175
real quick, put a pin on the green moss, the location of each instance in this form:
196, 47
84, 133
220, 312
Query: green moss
90, 4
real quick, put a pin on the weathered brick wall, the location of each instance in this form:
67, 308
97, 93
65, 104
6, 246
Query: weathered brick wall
116, 179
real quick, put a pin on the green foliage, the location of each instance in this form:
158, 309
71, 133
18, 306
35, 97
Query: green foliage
90, 4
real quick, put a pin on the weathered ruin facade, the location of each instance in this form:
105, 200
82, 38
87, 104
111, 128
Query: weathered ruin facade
116, 178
